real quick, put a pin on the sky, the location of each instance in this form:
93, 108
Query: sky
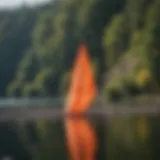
13, 3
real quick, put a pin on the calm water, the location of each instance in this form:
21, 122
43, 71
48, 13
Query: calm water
136, 138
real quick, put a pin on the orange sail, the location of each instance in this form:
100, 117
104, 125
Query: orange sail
83, 89
81, 138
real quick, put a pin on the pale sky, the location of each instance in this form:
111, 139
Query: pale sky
10, 3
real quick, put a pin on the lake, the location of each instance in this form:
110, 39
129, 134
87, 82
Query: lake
117, 138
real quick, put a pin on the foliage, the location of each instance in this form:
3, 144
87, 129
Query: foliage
38, 46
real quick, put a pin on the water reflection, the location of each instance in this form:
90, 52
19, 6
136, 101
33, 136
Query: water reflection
81, 139
11, 145
133, 138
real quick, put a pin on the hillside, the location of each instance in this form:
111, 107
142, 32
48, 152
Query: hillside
122, 37
37, 48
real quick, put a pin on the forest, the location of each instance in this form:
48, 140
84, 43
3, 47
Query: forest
38, 46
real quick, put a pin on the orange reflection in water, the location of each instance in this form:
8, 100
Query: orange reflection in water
81, 139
